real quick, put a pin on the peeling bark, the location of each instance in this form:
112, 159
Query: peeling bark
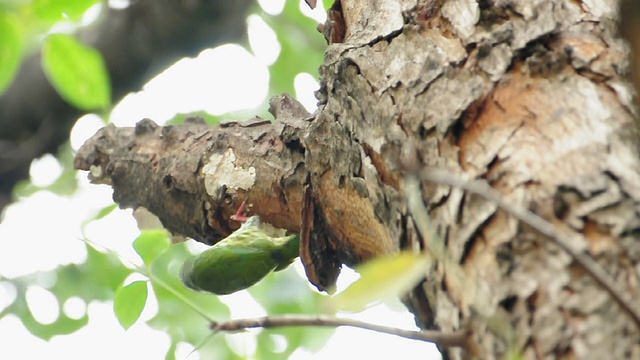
527, 95
193, 177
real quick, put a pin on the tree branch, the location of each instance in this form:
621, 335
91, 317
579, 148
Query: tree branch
193, 176
456, 339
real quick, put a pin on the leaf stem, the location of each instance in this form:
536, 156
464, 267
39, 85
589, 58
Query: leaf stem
174, 292
154, 279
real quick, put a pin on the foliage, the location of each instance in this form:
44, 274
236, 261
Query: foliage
301, 49
382, 278
56, 10
65, 184
76, 71
22, 24
79, 75
129, 302
10, 48
95, 279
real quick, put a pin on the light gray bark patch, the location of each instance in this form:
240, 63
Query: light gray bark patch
540, 23
463, 15
414, 56
438, 108
496, 62
369, 20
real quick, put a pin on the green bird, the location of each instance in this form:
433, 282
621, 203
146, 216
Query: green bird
239, 260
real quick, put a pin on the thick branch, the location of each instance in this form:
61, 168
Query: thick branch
194, 176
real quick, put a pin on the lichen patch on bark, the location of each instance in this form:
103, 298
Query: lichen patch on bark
221, 170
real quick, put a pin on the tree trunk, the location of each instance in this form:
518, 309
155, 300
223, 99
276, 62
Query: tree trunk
526, 95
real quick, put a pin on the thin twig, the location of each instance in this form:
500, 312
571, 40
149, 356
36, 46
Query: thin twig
456, 339
560, 237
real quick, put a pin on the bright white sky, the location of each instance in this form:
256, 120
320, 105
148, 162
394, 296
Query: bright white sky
237, 79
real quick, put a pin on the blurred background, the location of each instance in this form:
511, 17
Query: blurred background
69, 67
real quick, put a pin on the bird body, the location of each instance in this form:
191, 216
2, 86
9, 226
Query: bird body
240, 260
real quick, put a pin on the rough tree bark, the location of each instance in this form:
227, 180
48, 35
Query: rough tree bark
527, 95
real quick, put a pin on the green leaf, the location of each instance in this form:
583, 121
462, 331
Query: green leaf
151, 243
95, 279
55, 10
100, 275
381, 279
10, 49
61, 326
105, 211
129, 302
77, 72
177, 317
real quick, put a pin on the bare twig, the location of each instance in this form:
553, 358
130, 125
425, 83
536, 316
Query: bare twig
456, 339
558, 235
